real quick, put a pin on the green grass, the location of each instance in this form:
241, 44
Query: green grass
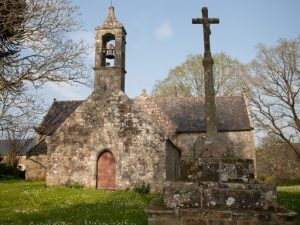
289, 197
32, 203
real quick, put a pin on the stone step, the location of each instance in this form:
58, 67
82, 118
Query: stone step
214, 195
158, 215
218, 170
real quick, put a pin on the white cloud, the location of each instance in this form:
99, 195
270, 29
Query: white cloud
164, 31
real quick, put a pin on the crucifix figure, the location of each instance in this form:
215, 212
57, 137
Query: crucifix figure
210, 104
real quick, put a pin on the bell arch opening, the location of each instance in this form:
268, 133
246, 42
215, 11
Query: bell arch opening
108, 50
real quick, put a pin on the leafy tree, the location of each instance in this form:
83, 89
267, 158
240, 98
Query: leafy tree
187, 79
275, 90
36, 47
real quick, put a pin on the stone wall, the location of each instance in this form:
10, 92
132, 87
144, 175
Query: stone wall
107, 123
277, 164
36, 167
243, 143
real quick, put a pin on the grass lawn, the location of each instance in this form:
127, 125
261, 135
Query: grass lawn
31, 203
23, 202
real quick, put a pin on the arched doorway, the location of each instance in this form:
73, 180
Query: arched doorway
106, 171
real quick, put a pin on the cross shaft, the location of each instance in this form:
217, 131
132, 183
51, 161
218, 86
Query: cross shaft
210, 104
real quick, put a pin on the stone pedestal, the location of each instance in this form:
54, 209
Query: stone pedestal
218, 191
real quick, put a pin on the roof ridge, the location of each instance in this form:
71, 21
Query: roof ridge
70, 101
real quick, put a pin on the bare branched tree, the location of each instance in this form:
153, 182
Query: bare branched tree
187, 79
275, 90
36, 47
17, 146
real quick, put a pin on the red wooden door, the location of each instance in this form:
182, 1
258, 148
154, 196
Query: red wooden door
106, 174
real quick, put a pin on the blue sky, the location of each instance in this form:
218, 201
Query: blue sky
161, 35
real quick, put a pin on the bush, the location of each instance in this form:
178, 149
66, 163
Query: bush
74, 185
8, 171
142, 188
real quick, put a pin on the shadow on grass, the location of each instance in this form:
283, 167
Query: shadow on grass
104, 213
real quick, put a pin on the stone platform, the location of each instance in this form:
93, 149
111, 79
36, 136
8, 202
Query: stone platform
218, 191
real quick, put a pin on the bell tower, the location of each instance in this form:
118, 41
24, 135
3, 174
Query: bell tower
110, 55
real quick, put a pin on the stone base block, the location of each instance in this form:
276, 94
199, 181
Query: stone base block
182, 195
213, 195
218, 170
239, 196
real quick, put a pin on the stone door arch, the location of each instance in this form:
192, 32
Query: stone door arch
106, 171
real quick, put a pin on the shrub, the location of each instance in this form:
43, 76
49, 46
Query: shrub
142, 188
231, 157
6, 169
74, 185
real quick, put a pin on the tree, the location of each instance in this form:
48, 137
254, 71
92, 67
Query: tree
12, 21
36, 47
17, 145
271, 141
187, 79
274, 90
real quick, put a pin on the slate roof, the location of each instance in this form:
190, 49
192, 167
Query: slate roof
57, 114
188, 113
39, 148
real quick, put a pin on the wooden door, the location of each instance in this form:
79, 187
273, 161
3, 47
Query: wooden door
106, 171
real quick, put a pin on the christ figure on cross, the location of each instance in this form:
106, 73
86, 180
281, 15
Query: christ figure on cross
206, 28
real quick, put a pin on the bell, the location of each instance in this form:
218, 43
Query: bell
110, 52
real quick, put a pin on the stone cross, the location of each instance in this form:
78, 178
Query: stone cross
210, 104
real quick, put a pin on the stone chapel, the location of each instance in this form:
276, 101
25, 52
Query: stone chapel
110, 141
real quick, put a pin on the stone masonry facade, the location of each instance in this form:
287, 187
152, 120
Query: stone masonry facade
137, 144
